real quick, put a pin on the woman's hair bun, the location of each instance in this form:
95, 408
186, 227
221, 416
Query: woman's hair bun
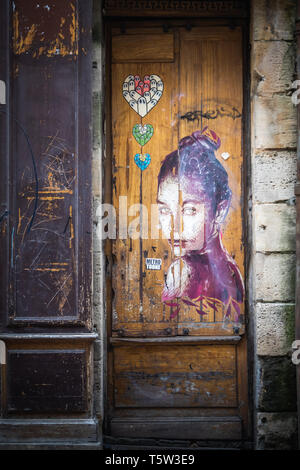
208, 136
195, 160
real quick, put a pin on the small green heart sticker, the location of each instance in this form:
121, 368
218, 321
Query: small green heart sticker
142, 133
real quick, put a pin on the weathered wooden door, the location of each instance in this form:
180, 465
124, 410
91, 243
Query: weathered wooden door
177, 340
45, 236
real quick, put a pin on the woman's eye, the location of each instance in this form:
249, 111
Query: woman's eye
164, 211
189, 210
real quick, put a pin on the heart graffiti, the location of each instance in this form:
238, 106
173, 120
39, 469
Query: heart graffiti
142, 95
142, 134
142, 160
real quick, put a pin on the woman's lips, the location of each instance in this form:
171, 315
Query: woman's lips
177, 243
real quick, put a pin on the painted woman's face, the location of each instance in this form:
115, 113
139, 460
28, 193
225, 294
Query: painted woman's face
185, 218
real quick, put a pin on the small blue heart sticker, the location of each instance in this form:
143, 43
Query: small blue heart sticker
142, 160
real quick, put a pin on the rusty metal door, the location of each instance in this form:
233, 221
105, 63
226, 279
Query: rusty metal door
45, 296
177, 338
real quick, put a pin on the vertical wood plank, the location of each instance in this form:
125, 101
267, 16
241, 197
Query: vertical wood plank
50, 164
138, 290
211, 80
4, 152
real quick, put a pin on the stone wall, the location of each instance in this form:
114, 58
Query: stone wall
274, 141
97, 178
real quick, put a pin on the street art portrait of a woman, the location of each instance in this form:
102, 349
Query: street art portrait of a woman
193, 199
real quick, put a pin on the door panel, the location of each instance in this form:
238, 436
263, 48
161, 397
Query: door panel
46, 235
150, 376
178, 428
177, 344
128, 49
49, 236
137, 309
61, 372
210, 61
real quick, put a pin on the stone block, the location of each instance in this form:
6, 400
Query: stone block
275, 329
273, 20
276, 387
97, 299
97, 143
97, 242
274, 122
97, 121
276, 431
275, 227
274, 176
274, 67
98, 353
275, 277
97, 173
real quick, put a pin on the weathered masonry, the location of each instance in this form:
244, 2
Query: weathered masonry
148, 224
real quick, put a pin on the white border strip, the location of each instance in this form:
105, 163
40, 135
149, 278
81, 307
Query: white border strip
2, 353
2, 92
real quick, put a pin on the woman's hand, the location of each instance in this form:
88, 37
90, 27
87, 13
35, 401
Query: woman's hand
176, 280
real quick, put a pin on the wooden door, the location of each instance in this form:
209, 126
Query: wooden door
46, 236
177, 342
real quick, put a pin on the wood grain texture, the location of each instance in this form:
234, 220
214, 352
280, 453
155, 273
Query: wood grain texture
143, 48
177, 340
163, 365
213, 84
178, 428
137, 291
181, 8
45, 235
180, 375
4, 151
47, 431
49, 235
47, 381
209, 82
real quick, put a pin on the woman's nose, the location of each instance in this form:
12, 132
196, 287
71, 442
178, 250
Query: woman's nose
177, 224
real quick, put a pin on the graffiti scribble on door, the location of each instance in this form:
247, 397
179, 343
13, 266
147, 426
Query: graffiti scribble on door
194, 198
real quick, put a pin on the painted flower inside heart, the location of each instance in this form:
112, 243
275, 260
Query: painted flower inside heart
142, 160
142, 94
142, 134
